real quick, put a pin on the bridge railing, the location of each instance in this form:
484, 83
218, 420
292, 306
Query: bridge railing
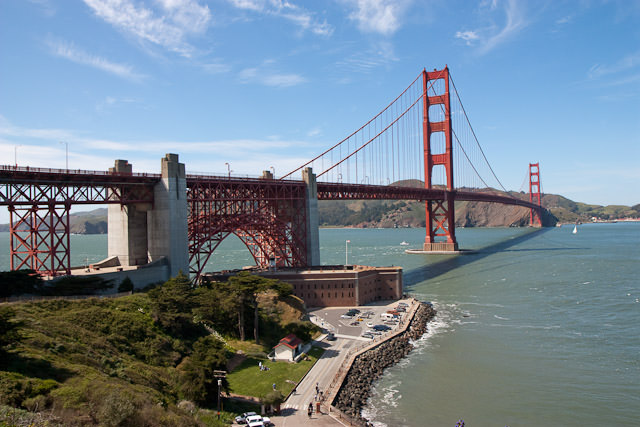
75, 171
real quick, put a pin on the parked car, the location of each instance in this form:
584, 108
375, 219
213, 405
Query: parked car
356, 323
381, 328
267, 422
331, 336
346, 316
367, 335
403, 304
255, 421
369, 324
374, 332
242, 419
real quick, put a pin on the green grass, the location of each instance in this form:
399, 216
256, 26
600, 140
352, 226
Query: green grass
248, 380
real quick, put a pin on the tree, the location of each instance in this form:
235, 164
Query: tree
198, 382
9, 334
171, 306
126, 285
245, 288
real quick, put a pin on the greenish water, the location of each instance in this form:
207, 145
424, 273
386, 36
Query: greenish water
533, 329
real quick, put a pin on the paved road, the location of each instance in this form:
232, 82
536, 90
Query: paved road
294, 410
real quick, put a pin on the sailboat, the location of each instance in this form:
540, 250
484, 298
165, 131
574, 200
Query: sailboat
575, 229
403, 243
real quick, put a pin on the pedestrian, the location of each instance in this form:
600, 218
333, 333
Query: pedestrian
310, 410
274, 386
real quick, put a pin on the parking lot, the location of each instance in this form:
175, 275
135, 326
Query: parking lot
337, 320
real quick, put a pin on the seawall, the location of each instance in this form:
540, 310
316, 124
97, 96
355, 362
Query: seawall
369, 366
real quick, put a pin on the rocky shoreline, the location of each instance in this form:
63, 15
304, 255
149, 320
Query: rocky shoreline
370, 365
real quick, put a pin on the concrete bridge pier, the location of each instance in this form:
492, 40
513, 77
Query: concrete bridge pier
311, 206
142, 233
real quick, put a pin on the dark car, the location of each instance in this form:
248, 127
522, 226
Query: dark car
331, 336
381, 328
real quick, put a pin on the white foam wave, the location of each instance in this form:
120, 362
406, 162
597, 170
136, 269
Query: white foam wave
501, 318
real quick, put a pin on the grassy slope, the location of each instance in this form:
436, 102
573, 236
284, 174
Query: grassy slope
97, 359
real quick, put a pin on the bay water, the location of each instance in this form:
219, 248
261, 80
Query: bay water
534, 328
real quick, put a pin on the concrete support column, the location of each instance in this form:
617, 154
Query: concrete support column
167, 221
311, 206
127, 226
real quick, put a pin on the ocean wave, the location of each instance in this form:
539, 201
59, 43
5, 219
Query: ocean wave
501, 318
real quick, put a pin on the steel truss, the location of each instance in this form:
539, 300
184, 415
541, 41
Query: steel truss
269, 216
39, 201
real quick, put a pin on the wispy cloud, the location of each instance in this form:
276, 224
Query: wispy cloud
378, 16
493, 35
167, 26
468, 36
302, 18
629, 62
77, 55
267, 76
379, 55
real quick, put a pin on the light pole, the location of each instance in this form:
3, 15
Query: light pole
15, 154
219, 385
273, 171
346, 252
228, 169
66, 153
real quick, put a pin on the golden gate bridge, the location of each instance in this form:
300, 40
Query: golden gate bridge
419, 147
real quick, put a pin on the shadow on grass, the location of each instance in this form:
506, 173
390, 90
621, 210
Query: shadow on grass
451, 262
37, 368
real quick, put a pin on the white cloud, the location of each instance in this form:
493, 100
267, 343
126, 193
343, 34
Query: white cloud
302, 18
167, 26
265, 75
493, 35
378, 16
367, 61
74, 54
468, 36
627, 63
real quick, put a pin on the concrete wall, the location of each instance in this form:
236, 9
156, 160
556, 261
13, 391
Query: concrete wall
313, 233
142, 233
127, 227
167, 221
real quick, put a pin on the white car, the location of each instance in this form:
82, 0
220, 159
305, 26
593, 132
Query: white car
369, 324
255, 421
242, 419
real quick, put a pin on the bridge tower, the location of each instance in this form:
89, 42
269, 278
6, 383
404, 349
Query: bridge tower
535, 219
440, 214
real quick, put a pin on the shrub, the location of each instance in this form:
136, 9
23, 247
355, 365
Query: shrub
126, 285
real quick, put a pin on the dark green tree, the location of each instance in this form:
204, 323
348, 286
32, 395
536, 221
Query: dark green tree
126, 285
9, 334
171, 306
197, 381
245, 288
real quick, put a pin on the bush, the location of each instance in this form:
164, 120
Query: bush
19, 282
126, 285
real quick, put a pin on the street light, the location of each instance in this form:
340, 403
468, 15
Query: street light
273, 171
66, 153
346, 252
228, 169
219, 385
15, 154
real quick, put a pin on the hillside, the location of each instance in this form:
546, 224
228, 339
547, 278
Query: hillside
404, 213
90, 222
133, 360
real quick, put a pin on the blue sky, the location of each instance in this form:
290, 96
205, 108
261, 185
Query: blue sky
262, 83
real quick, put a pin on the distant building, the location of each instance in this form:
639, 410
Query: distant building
336, 285
288, 348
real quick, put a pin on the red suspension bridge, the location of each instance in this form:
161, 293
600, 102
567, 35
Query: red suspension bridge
423, 135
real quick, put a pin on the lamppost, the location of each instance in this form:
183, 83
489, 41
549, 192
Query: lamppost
228, 169
219, 386
15, 154
66, 153
273, 171
346, 252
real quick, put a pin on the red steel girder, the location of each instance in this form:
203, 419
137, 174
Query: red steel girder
268, 216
